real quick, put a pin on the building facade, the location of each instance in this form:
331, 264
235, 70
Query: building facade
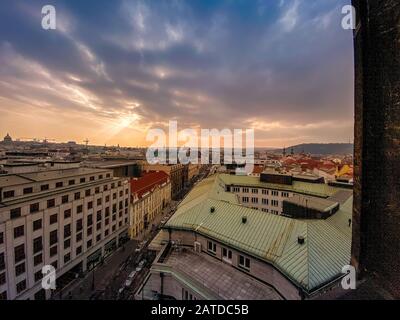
151, 193
70, 219
178, 174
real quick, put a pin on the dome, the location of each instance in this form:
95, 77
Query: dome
7, 138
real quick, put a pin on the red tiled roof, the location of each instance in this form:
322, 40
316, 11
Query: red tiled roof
147, 182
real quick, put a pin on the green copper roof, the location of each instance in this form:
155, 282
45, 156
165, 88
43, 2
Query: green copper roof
270, 237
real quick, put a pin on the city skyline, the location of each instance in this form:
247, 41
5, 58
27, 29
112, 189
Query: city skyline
148, 63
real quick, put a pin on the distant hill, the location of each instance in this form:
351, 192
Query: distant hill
321, 148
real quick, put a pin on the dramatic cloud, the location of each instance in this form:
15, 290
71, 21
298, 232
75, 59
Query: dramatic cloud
113, 69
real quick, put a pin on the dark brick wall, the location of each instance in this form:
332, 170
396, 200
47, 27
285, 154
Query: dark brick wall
376, 217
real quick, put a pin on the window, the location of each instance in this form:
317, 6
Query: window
101, 176
71, 182
37, 245
108, 175
34, 207
79, 209
51, 203
15, 213
3, 295
1, 237
67, 214
79, 250
254, 191
28, 190
285, 194
87, 193
77, 196
107, 211
89, 231
19, 253
53, 237
53, 218
245, 199
9, 194
91, 179
274, 203
107, 198
265, 201
98, 237
59, 185
244, 262
67, 231
114, 196
90, 205
37, 259
98, 218
37, 224
67, 243
105, 188
2, 278
2, 262
19, 231
212, 247
107, 221
53, 251
99, 202
275, 193
78, 236
245, 190
38, 275
89, 220
20, 269
89, 244
79, 225
106, 233
21, 286
97, 190
82, 180
44, 187
64, 199
265, 192
67, 257
227, 254
98, 226
254, 200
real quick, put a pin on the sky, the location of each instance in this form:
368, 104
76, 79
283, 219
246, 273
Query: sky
113, 70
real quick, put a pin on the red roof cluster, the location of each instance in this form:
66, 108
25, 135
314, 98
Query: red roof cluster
147, 182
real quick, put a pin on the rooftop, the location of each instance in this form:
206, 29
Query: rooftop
147, 182
269, 237
8, 180
222, 280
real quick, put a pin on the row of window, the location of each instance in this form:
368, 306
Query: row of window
44, 187
263, 191
243, 262
35, 207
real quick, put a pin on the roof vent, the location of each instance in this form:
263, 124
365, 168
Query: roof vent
244, 219
300, 240
212, 209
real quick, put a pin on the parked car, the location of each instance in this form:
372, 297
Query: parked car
132, 275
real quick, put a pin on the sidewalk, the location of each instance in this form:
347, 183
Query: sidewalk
82, 289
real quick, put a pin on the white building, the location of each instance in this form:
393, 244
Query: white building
68, 218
